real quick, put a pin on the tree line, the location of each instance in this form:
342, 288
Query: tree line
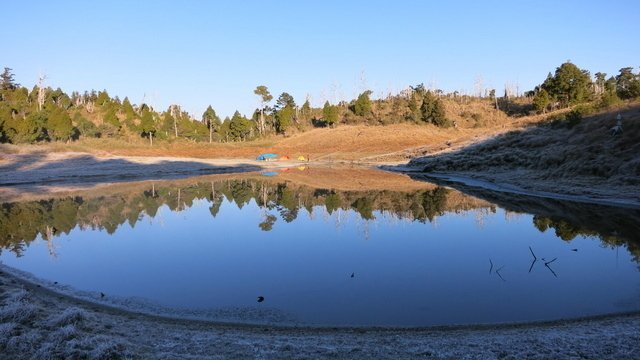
24, 222
45, 114
570, 86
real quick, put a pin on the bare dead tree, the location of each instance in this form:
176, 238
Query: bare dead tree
41, 91
174, 110
478, 86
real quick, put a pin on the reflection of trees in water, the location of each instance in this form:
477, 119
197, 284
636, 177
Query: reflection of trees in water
568, 231
564, 230
614, 226
22, 222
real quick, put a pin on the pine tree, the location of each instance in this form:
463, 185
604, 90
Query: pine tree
239, 127
627, 83
362, 106
330, 113
212, 121
59, 126
569, 85
147, 125
285, 100
541, 101
284, 119
432, 111
7, 81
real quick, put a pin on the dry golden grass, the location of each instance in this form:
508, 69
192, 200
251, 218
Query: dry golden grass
347, 142
556, 151
475, 119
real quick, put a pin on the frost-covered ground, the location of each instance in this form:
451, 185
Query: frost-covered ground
38, 323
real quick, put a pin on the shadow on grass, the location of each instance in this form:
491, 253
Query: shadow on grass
33, 169
555, 149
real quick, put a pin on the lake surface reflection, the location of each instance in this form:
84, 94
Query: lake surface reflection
330, 247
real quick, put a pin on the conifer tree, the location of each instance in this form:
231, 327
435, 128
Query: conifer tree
212, 121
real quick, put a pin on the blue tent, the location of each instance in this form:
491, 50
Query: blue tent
264, 157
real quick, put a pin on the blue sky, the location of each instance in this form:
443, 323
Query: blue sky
196, 53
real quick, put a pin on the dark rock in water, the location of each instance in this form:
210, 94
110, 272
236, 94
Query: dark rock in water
260, 298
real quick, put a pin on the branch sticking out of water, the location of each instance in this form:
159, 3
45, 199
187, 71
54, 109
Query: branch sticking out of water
534, 259
498, 272
546, 264
491, 268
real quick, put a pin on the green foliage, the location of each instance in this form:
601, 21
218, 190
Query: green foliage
166, 125
147, 125
364, 206
541, 101
85, 127
563, 229
211, 119
332, 202
330, 113
225, 130
58, 98
127, 108
569, 85
285, 100
432, 110
628, 84
24, 222
194, 130
288, 203
111, 118
268, 222
305, 110
574, 117
284, 119
239, 127
59, 126
362, 105
5, 115
263, 92
27, 130
7, 81
434, 202
103, 98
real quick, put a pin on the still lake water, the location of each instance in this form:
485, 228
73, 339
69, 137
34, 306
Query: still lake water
390, 251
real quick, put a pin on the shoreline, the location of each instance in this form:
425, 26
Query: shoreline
494, 184
124, 334
37, 320
33, 171
35, 284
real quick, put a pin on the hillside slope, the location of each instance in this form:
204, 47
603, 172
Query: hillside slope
585, 159
392, 143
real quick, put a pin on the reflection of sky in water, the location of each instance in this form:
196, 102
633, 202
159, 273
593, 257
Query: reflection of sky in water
405, 273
